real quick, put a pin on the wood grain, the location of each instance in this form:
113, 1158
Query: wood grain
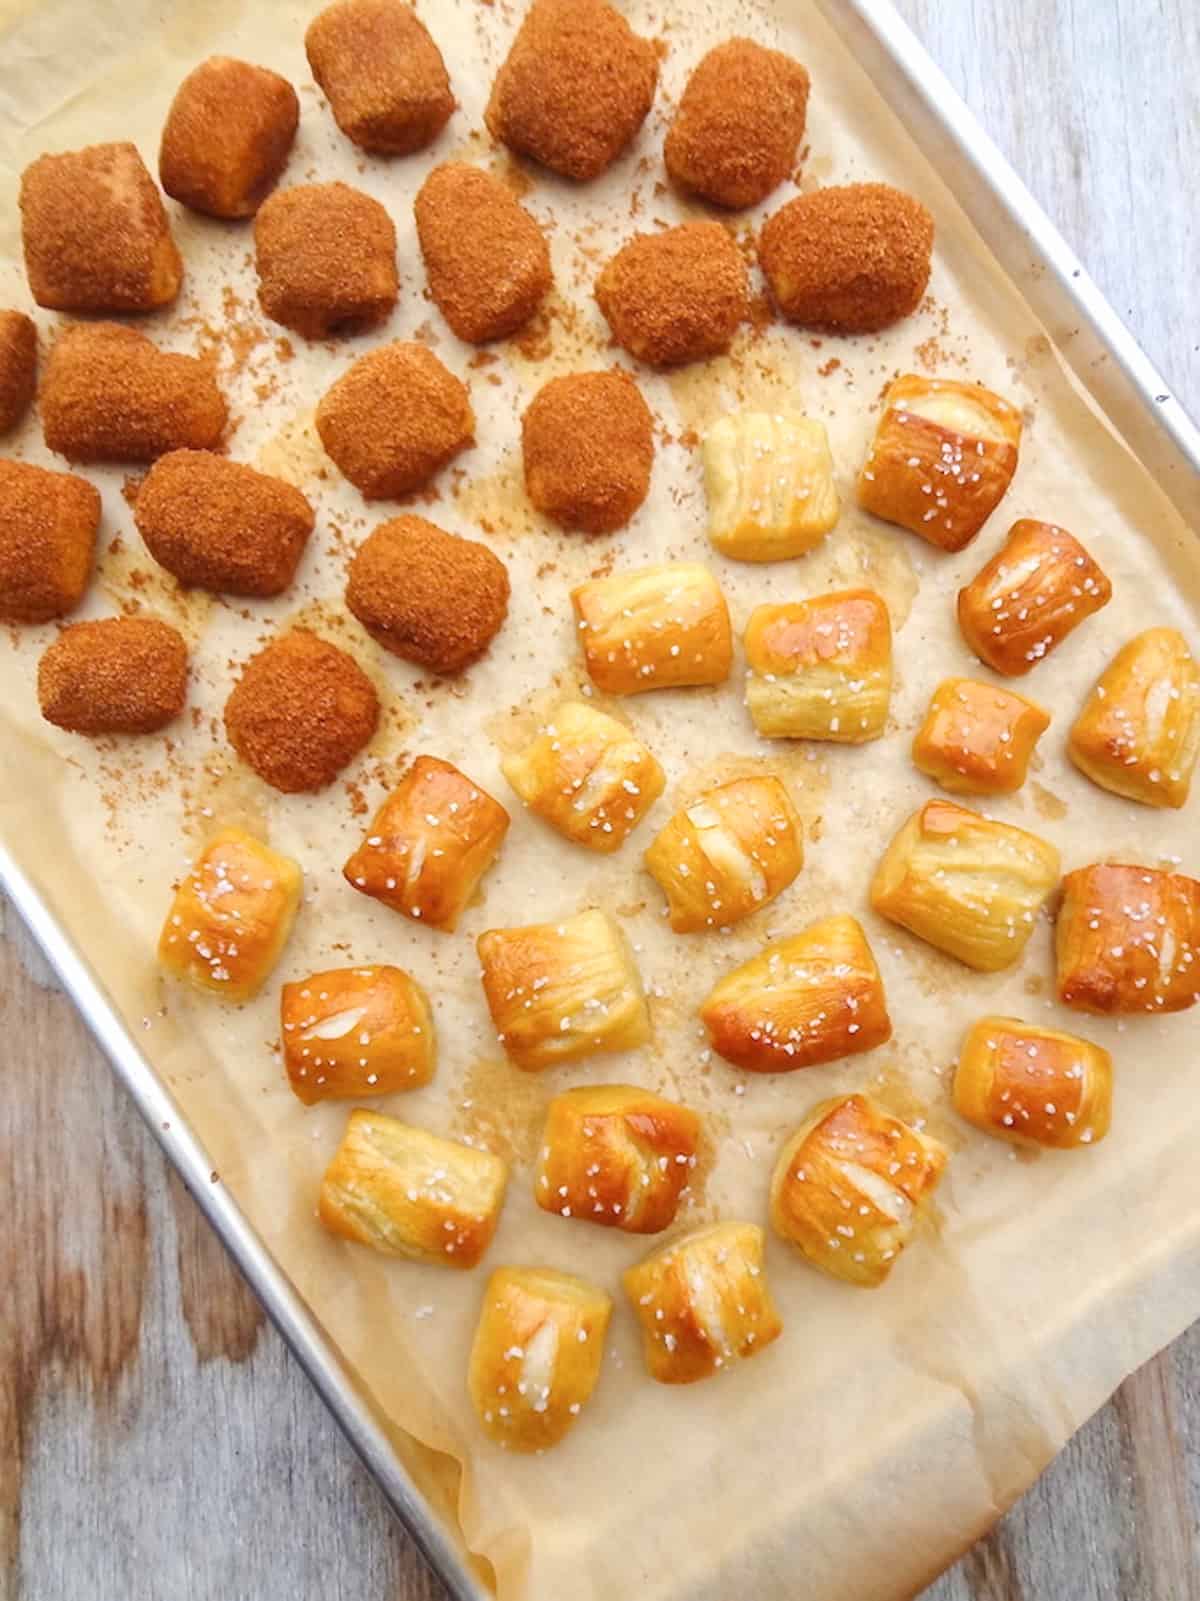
156, 1442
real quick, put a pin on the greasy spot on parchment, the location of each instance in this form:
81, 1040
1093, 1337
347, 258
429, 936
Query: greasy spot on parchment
759, 375
877, 558
501, 1109
296, 453
1046, 803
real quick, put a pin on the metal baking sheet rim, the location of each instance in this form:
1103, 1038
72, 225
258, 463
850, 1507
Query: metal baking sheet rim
1109, 364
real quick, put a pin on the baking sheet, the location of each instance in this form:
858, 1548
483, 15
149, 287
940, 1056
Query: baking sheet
860, 1452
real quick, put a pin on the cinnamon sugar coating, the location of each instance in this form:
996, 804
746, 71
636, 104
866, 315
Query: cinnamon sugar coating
121, 675
675, 296
739, 124
227, 137
326, 257
429, 596
95, 234
18, 367
382, 73
588, 442
47, 541
487, 260
301, 710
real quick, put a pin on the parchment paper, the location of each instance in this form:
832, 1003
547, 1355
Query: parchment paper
884, 1429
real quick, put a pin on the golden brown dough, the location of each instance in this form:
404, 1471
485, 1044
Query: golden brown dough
769, 479
326, 260
739, 124
656, 628
227, 137
487, 260
1033, 1085
574, 88
942, 459
616, 1155
967, 884
813, 997
675, 296
47, 541
382, 74
118, 675
557, 991
977, 739
1024, 602
536, 1356
356, 1031
1128, 939
727, 853
95, 234
231, 916
588, 447
1138, 734
18, 367
703, 1302
406, 1192
820, 668
850, 1186
588, 776
429, 844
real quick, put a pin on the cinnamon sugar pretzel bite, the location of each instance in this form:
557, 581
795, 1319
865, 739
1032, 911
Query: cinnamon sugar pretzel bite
814, 997
1035, 591
1138, 734
977, 739
557, 991
849, 1187
356, 1031
616, 1155
769, 480
1032, 1085
703, 1302
429, 844
406, 1192
588, 776
657, 628
1128, 939
943, 457
967, 884
820, 668
729, 852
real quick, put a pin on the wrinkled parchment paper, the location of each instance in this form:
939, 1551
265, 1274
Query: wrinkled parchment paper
885, 1429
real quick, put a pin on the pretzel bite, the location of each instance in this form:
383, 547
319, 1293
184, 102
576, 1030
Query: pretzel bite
1039, 587
1138, 734
574, 88
850, 1186
217, 524
47, 541
426, 595
382, 74
1128, 939
820, 668
587, 776
814, 997
943, 456
405, 1192
967, 884
231, 916
977, 739
326, 260
675, 296
738, 125
557, 991
588, 444
703, 1302
18, 367
300, 711
108, 394
769, 479
1033, 1085
486, 259
657, 628
122, 675
728, 853
356, 1031
394, 419
227, 137
852, 259
536, 1356
95, 234
616, 1155
429, 844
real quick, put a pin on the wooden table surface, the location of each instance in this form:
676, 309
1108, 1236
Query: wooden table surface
156, 1441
